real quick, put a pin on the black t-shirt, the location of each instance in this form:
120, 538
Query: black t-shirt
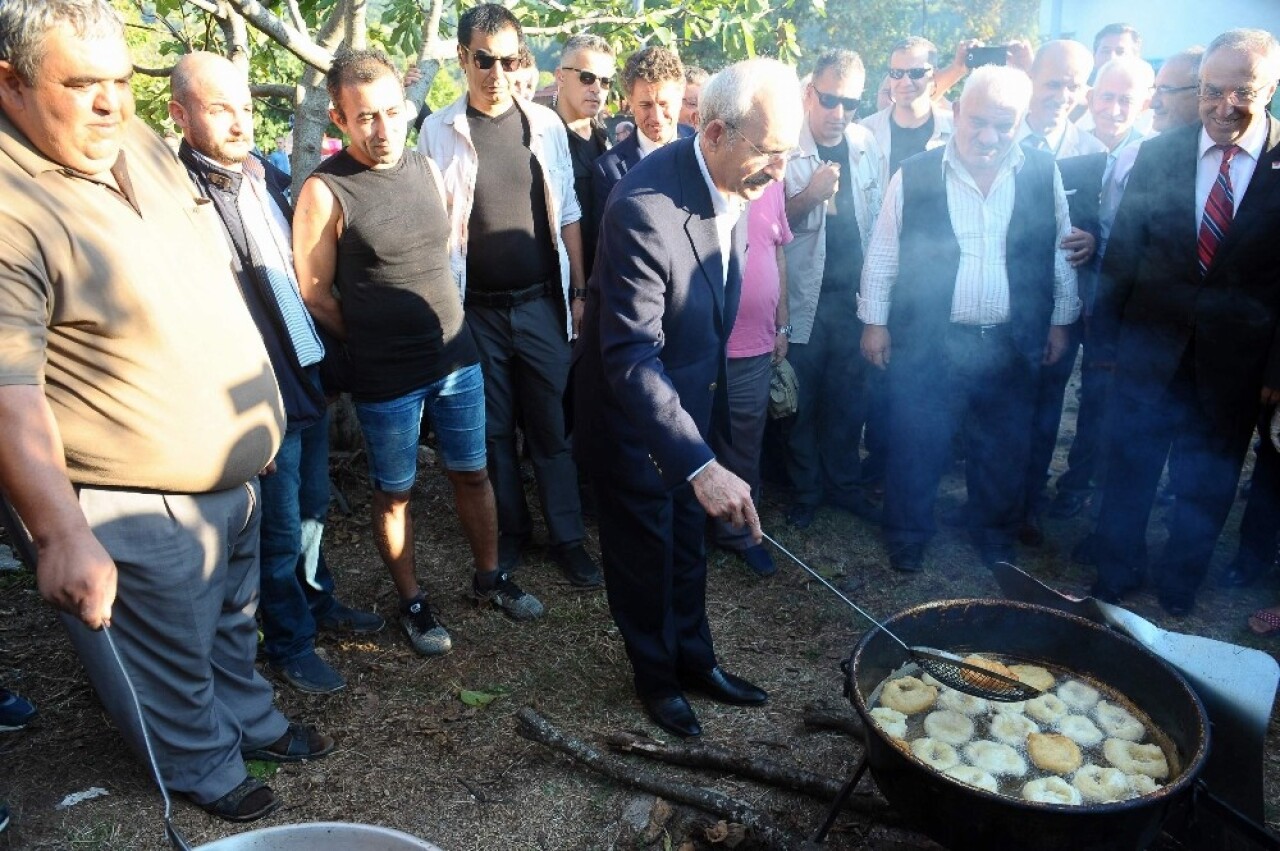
509, 242
843, 266
907, 141
400, 304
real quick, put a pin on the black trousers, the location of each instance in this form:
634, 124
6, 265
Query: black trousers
1205, 458
984, 385
1051, 390
1260, 526
653, 552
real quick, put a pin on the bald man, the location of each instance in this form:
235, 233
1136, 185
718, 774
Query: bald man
212, 105
1059, 81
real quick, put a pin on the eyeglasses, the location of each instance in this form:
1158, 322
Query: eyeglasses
484, 61
913, 73
830, 101
780, 157
589, 79
1239, 97
1165, 91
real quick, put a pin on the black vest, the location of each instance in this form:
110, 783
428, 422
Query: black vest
930, 259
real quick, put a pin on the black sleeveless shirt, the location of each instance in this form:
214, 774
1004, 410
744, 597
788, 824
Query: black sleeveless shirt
400, 305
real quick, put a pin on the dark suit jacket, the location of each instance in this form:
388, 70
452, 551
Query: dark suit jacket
649, 365
1082, 180
609, 168
1153, 301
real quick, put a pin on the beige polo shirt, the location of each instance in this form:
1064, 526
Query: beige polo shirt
125, 309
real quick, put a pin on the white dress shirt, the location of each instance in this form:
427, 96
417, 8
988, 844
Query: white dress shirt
981, 225
1068, 141
648, 146
1242, 166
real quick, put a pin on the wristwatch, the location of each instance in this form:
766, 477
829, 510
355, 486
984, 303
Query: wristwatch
785, 330
578, 292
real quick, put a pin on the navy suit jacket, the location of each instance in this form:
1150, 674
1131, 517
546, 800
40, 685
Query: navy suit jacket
610, 166
1153, 302
649, 366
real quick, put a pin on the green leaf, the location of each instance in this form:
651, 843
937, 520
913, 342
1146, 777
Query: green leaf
476, 698
261, 768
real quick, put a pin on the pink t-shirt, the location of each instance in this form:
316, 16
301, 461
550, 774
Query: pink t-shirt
767, 228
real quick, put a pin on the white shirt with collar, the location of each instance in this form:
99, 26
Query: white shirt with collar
1242, 165
981, 225
1069, 141
648, 146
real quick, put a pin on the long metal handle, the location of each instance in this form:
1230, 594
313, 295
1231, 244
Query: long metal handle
176, 839
835, 590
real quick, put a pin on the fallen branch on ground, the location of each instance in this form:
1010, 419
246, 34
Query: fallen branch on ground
823, 719
534, 727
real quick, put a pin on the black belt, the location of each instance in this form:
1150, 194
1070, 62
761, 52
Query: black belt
506, 298
983, 331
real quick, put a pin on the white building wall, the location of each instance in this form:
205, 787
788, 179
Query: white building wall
1167, 26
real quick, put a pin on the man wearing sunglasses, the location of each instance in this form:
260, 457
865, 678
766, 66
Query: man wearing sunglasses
653, 79
649, 380
833, 195
516, 253
583, 82
914, 122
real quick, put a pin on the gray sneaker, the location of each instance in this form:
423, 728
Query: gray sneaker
425, 633
507, 596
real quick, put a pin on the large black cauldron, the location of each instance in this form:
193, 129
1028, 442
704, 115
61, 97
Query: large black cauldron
963, 817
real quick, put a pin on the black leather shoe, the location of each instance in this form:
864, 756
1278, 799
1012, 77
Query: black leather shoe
1068, 504
724, 687
907, 558
857, 504
759, 560
577, 566
1031, 533
673, 714
1177, 605
1243, 572
801, 516
1086, 551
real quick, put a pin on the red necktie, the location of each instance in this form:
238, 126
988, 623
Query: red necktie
1218, 210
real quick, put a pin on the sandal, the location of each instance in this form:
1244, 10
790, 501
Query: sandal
249, 801
299, 743
1269, 619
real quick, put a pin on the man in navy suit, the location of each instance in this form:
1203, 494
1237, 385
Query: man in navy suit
653, 80
1189, 314
649, 379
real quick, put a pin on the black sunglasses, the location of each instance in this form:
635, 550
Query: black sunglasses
589, 79
913, 73
485, 61
830, 101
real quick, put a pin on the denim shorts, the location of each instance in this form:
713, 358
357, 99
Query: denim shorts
454, 406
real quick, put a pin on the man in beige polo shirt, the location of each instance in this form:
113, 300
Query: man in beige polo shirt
137, 404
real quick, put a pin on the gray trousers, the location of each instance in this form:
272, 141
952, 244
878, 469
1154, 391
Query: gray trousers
748, 389
183, 621
525, 358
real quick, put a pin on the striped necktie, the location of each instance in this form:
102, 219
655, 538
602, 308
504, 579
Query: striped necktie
1218, 210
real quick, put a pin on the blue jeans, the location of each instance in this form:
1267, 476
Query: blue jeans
455, 407
297, 587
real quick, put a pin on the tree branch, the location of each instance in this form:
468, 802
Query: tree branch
286, 35
534, 727
288, 91
210, 6
153, 72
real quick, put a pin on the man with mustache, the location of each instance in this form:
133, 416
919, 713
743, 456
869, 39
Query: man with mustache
649, 380
965, 294
833, 196
1188, 311
212, 104
516, 253
138, 405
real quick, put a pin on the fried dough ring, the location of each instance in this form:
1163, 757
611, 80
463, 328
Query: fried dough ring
908, 695
935, 753
1034, 676
1099, 784
1141, 784
963, 703
1051, 790
971, 776
1133, 758
1012, 728
1082, 731
947, 725
1054, 752
987, 664
1077, 695
996, 758
1117, 722
891, 721
1047, 708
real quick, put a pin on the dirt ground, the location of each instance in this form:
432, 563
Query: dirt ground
413, 756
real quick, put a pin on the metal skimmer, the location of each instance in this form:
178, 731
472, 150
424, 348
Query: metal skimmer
947, 668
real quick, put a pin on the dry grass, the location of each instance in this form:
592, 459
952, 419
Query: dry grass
414, 757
